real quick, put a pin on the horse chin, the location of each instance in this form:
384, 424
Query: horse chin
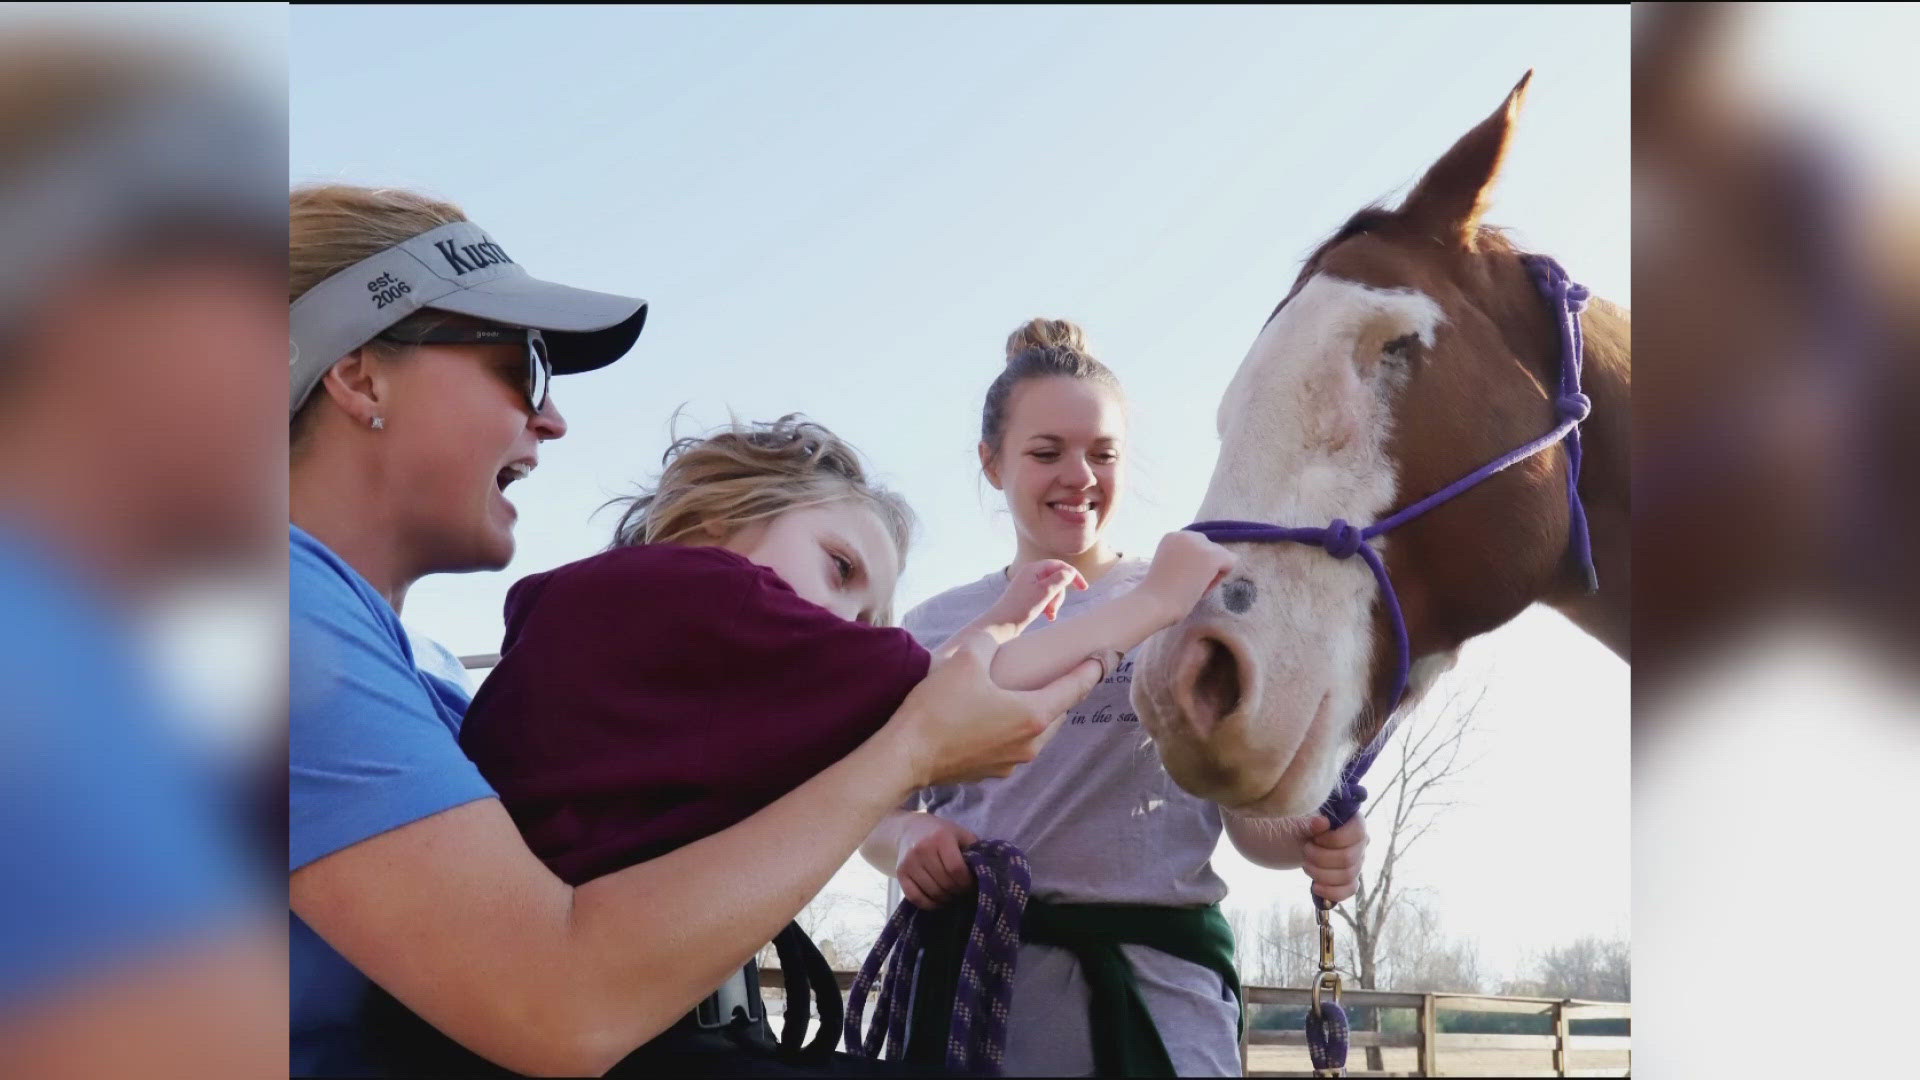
1291, 797
1302, 781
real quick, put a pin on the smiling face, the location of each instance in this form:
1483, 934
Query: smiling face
458, 430
1061, 463
839, 556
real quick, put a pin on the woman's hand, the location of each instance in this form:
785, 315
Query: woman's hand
931, 869
1033, 589
1185, 566
958, 725
1333, 860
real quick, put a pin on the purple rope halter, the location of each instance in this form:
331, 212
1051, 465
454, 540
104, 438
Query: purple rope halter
1342, 540
1327, 1026
977, 1037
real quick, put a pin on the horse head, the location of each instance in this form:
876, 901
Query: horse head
1413, 348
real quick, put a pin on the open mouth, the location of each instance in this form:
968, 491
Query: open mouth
516, 471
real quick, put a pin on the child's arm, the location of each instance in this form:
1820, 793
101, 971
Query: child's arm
1184, 568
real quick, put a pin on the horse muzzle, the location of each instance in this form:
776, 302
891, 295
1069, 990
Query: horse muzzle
1199, 690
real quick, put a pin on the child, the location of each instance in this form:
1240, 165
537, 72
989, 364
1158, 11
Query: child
731, 643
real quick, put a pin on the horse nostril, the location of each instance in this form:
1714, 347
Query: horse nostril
1237, 595
1216, 688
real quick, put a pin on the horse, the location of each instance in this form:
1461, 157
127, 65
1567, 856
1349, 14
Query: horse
1413, 348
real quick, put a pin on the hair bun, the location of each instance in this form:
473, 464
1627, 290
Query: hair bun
1046, 334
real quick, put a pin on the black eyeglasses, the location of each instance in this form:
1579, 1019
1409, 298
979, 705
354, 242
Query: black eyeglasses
539, 368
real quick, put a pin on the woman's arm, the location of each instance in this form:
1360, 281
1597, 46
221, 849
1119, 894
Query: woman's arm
1332, 859
457, 919
209, 1009
924, 851
881, 848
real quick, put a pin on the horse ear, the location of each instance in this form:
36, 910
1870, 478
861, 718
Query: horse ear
1448, 201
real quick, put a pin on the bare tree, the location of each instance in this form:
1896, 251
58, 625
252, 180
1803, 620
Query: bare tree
1416, 956
1278, 945
1591, 967
1408, 804
1248, 953
843, 924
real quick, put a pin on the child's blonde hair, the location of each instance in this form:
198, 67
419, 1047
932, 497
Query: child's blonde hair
747, 473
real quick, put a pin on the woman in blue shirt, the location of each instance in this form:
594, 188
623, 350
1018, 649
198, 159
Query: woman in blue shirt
421, 352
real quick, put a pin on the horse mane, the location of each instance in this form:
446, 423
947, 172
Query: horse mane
1490, 239
1367, 219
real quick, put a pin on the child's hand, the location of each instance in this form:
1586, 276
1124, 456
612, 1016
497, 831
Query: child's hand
1334, 859
1034, 589
1185, 566
931, 869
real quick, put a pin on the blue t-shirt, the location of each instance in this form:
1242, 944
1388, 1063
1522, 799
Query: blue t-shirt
115, 842
374, 746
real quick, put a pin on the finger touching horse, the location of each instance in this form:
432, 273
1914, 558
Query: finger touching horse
1414, 348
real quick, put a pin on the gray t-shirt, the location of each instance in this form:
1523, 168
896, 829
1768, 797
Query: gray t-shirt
1101, 822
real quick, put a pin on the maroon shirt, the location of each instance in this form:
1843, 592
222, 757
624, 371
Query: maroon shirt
649, 696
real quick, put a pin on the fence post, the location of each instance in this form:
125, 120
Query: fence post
1560, 1038
1428, 1024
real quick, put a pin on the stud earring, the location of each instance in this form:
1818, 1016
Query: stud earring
379, 423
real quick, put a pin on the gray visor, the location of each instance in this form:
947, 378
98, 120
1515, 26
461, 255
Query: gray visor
457, 268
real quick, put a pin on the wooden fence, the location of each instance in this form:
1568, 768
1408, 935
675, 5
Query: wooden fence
1424, 1050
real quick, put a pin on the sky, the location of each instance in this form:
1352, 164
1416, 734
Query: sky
843, 211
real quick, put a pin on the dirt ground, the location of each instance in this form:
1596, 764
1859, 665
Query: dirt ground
1458, 1063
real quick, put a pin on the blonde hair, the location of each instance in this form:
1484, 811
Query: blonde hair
746, 473
1039, 349
333, 226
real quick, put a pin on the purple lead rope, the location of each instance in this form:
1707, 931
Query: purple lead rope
1326, 1022
977, 1036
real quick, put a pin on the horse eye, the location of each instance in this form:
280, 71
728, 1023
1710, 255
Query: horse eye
1403, 347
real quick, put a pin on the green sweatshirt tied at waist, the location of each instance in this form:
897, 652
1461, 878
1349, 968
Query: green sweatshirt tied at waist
1125, 1040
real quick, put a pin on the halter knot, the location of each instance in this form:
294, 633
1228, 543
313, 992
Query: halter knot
1577, 297
1575, 406
1342, 540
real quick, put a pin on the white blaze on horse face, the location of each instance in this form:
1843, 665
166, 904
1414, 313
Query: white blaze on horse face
1304, 429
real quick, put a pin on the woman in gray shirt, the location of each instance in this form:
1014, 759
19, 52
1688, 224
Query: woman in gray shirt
1113, 842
